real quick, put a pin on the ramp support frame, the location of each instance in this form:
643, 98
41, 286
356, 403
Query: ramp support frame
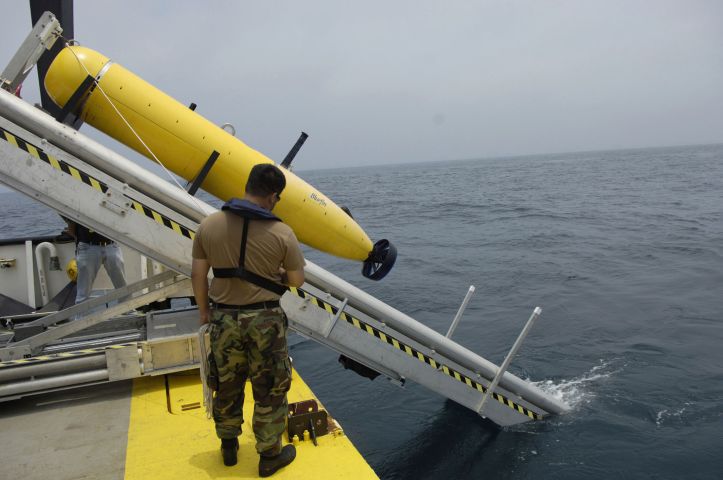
41, 38
33, 345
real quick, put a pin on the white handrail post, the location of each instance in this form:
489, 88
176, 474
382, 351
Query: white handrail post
461, 310
513, 351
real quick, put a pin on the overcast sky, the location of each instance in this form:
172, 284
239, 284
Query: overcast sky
376, 82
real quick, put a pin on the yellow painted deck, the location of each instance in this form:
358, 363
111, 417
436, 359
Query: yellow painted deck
166, 439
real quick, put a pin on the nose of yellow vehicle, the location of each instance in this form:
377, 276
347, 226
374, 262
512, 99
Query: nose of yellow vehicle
183, 141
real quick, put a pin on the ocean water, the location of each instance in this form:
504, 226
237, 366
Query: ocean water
623, 250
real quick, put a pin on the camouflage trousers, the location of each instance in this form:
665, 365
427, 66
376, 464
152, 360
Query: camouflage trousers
251, 345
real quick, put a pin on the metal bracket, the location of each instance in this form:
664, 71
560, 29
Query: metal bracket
306, 416
7, 262
196, 184
15, 352
70, 113
42, 37
116, 202
123, 363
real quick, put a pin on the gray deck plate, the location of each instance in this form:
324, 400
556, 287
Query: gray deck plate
72, 434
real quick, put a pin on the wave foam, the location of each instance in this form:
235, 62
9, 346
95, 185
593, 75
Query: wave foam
668, 416
577, 391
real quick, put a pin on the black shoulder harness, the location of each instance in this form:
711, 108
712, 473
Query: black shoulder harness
240, 271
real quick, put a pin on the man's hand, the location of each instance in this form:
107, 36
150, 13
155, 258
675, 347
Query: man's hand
204, 315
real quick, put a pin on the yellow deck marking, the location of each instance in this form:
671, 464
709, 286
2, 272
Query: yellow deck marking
183, 445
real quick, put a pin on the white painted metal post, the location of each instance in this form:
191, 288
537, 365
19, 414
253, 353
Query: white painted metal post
513, 351
144, 271
30, 269
461, 310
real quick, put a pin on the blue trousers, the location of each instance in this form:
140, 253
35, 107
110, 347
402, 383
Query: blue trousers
90, 258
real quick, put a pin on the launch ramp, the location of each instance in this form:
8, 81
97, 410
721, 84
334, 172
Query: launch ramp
84, 181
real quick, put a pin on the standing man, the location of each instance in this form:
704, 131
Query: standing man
91, 251
252, 253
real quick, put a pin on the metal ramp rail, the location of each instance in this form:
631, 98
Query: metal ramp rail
96, 187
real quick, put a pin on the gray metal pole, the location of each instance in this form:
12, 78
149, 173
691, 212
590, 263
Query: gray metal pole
513, 351
52, 368
461, 310
18, 388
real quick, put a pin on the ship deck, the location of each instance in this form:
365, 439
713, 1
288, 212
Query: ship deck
151, 427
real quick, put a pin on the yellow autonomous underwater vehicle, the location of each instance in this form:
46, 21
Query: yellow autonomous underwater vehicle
92, 88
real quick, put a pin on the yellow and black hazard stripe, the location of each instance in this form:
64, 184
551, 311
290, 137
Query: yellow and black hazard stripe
66, 168
163, 220
62, 355
414, 353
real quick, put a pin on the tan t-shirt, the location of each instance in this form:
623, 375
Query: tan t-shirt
271, 244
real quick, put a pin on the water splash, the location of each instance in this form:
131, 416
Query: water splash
667, 416
578, 390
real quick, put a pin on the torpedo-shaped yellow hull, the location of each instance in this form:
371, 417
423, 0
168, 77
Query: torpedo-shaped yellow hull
183, 141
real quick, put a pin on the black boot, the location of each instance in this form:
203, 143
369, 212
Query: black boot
229, 447
269, 465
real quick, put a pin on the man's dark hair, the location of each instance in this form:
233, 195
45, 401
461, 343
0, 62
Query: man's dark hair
265, 179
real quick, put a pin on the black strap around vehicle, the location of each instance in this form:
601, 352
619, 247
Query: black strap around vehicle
243, 274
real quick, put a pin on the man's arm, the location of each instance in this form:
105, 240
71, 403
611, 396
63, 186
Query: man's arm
199, 282
292, 278
71, 227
